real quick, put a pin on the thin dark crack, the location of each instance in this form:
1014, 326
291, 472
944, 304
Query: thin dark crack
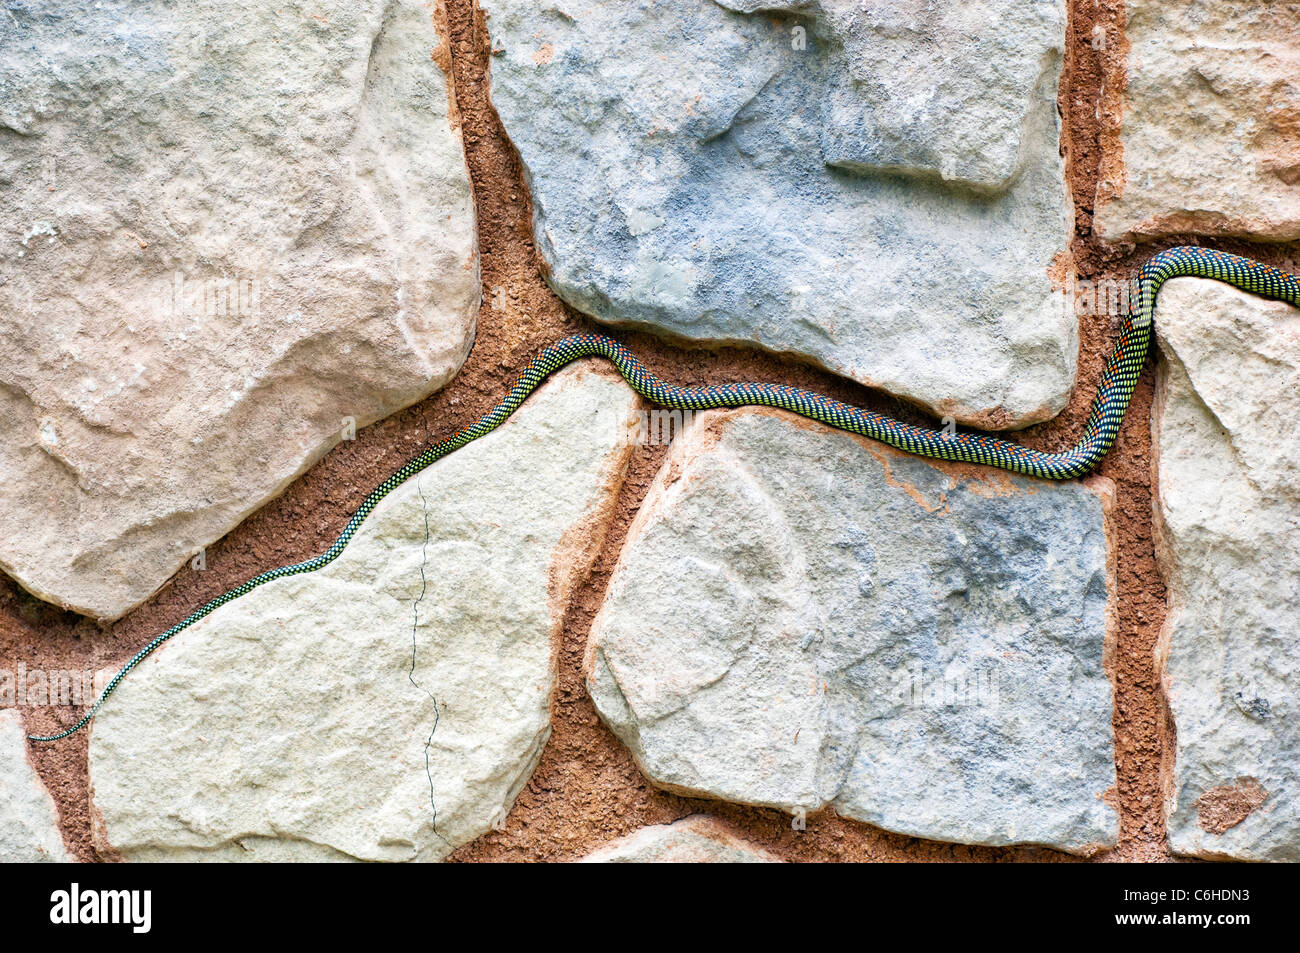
415, 624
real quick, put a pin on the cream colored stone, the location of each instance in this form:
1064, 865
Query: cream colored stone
697, 839
1210, 123
1226, 434
294, 723
227, 230
29, 822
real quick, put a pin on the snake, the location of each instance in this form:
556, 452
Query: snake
1118, 381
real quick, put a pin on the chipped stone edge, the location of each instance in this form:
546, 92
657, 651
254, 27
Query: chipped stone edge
1167, 565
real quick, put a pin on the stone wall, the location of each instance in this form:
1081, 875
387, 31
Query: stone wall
255, 259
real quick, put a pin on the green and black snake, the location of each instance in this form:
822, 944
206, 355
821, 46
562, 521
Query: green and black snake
1104, 419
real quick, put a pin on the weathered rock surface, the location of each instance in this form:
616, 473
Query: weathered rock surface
391, 705
802, 618
1228, 518
1209, 137
692, 840
225, 228
886, 201
29, 823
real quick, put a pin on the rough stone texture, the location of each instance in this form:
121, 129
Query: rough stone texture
303, 154
694, 173
692, 840
29, 824
802, 618
295, 722
1227, 458
1209, 139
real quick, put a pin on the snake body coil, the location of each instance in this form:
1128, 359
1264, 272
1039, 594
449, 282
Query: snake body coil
1107, 413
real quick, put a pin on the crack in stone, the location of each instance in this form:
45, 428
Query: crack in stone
415, 624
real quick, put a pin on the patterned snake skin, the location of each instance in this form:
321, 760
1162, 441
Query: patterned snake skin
1117, 384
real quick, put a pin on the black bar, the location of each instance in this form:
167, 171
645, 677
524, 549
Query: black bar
335, 903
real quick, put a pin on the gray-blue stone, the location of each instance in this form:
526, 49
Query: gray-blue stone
803, 618
880, 192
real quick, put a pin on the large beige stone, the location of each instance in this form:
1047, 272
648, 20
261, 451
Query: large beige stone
228, 231
391, 705
803, 618
1227, 457
29, 823
1209, 137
